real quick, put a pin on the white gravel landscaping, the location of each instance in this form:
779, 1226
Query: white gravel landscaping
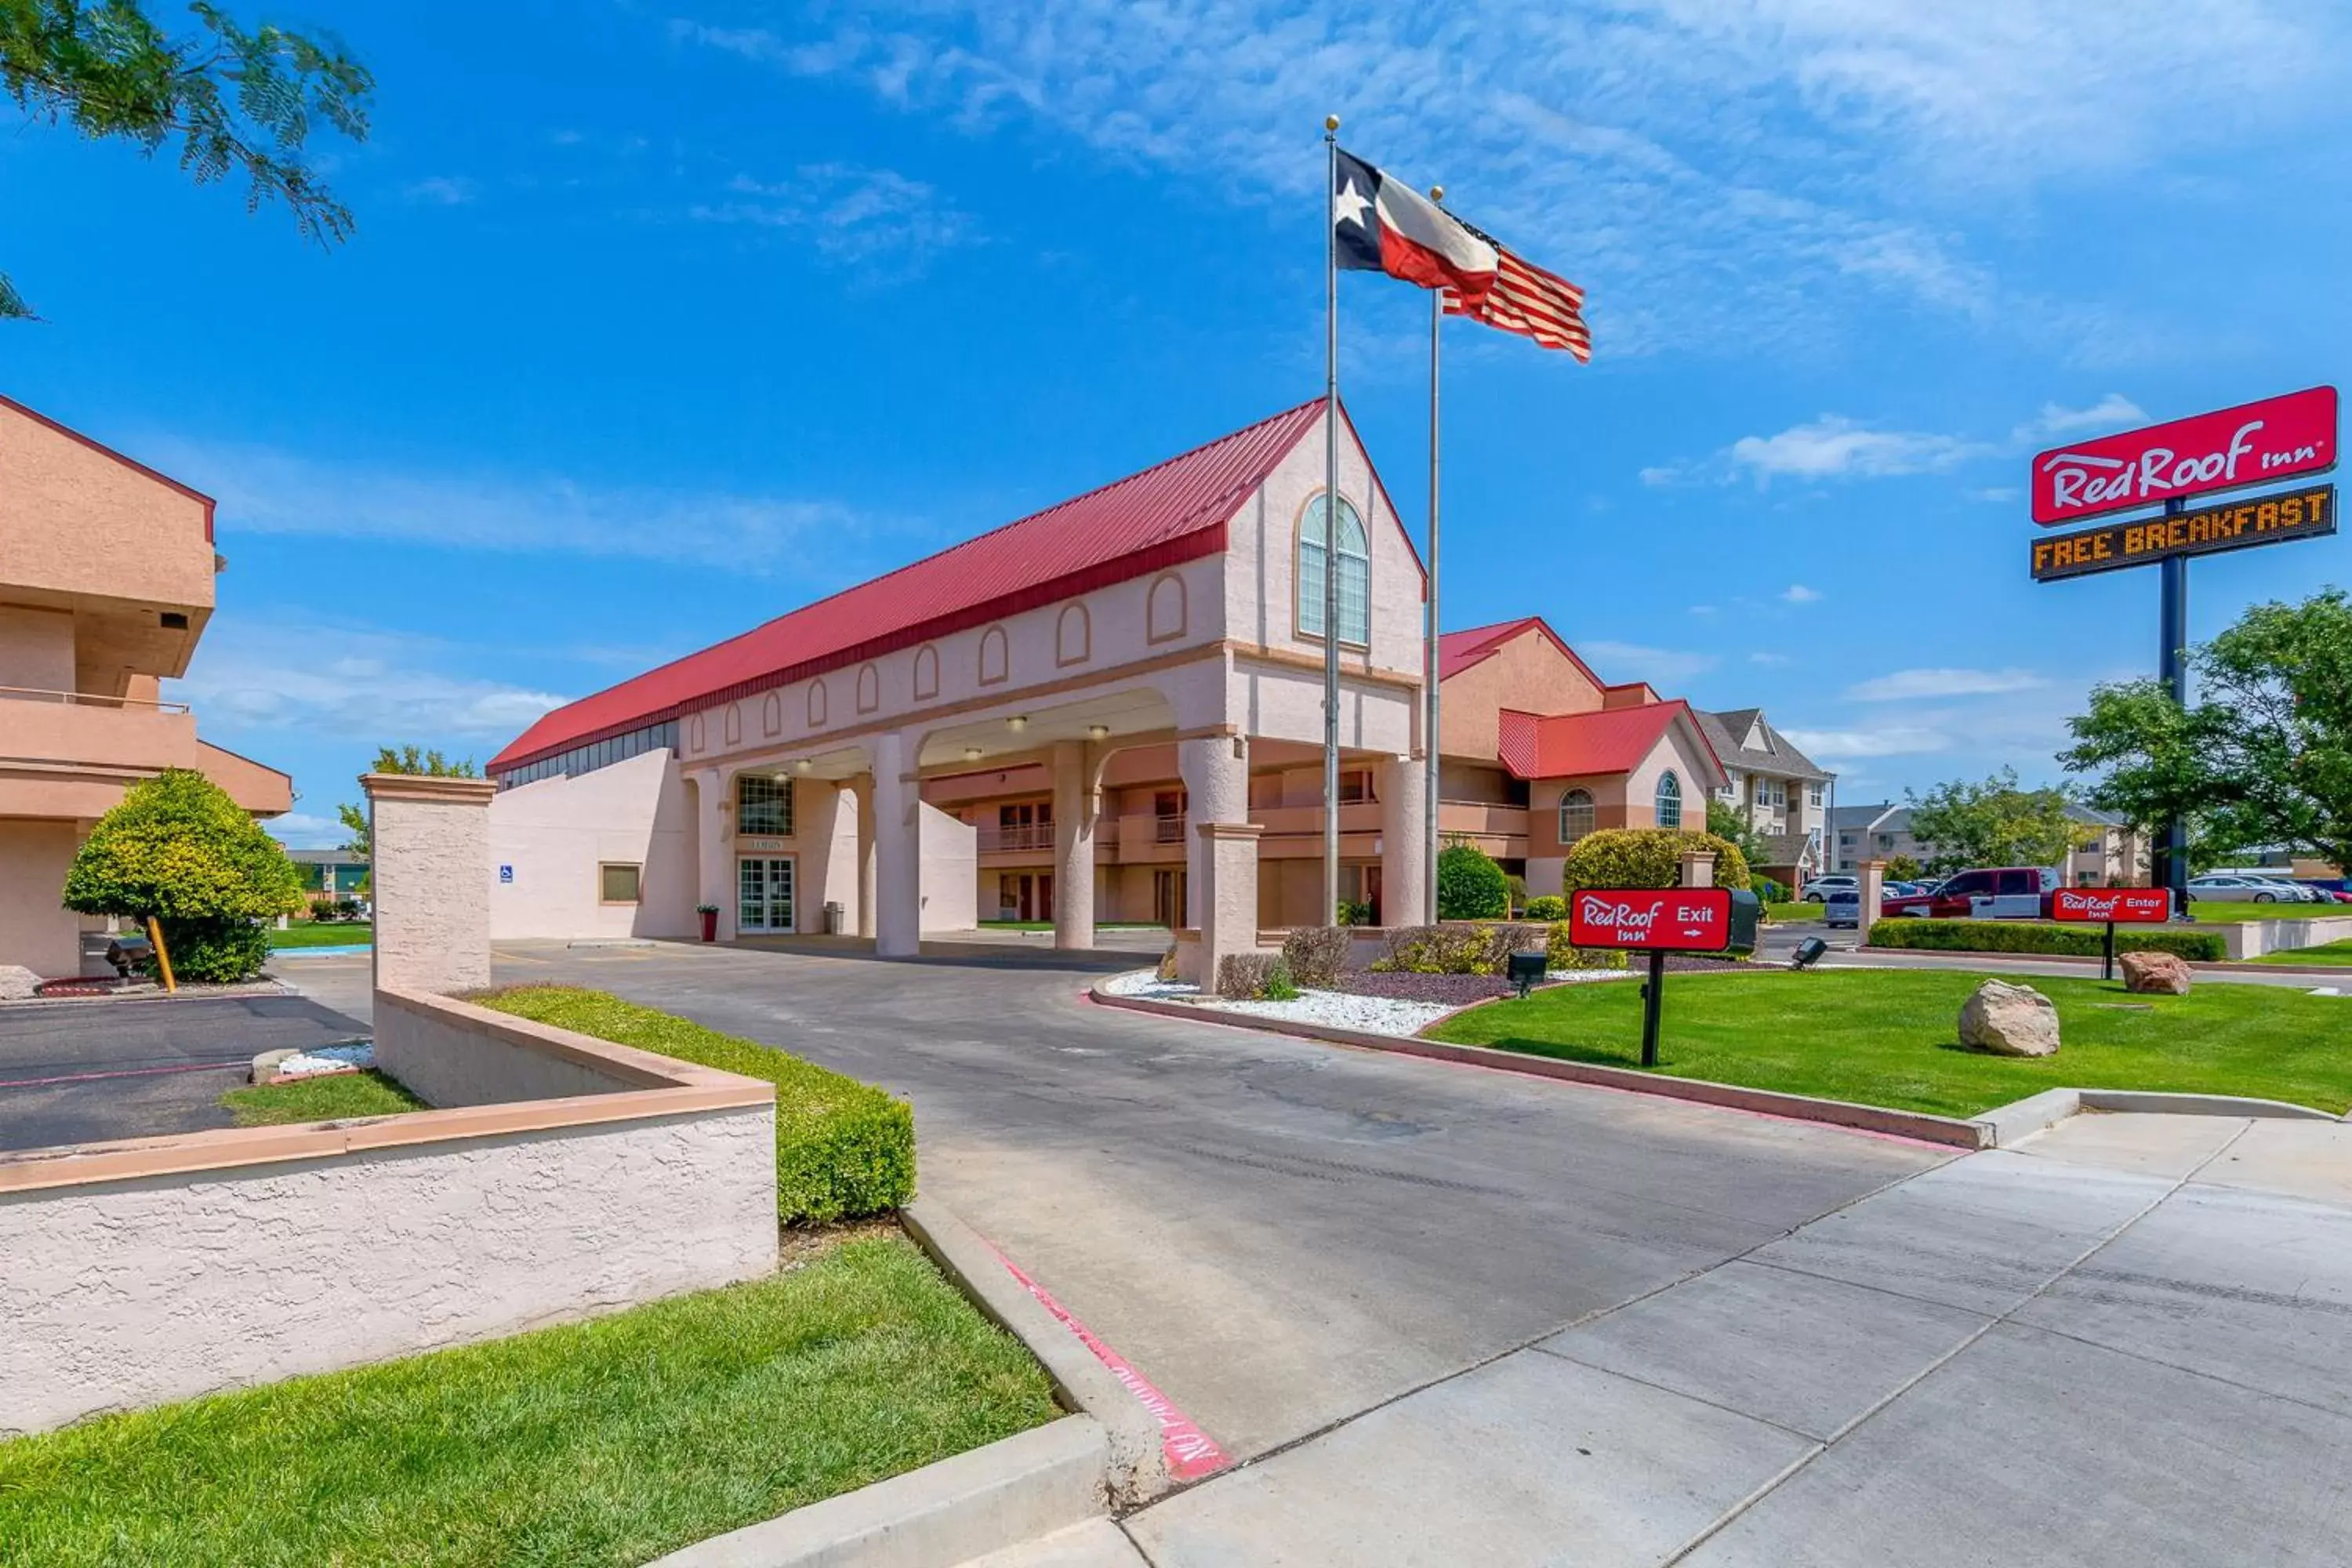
353, 1058
1334, 1009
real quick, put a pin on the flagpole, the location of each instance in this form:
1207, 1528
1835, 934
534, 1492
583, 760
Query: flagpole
1435, 626
1330, 524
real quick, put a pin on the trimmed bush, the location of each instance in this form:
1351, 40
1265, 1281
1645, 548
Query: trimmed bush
1353, 913
1166, 973
1317, 955
844, 1148
1548, 907
2024, 936
1768, 890
1470, 885
1242, 976
1279, 986
178, 849
1648, 858
1456, 949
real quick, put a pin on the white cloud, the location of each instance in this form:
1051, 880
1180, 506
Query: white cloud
1912, 684
876, 219
262, 489
1624, 661
353, 683
442, 190
1716, 171
1797, 594
1834, 447
1888, 740
300, 830
1702, 609
2113, 412
1998, 493
1763, 657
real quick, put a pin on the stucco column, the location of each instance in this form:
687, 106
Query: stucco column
430, 843
1226, 896
714, 847
1075, 801
1698, 867
1404, 786
898, 868
1872, 874
861, 790
1216, 789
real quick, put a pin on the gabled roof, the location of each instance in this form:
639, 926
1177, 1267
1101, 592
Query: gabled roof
1567, 745
1728, 732
1458, 651
1171, 513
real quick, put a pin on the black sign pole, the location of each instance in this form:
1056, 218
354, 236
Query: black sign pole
2172, 856
2107, 965
1651, 993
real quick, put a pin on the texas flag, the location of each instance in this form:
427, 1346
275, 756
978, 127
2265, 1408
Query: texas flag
1381, 224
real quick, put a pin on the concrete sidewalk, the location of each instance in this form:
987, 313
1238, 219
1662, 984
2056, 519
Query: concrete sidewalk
2126, 1342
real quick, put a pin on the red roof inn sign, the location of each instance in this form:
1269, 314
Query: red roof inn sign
2252, 444
2278, 438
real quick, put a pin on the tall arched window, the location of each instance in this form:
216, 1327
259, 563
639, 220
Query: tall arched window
1670, 800
1575, 814
1355, 574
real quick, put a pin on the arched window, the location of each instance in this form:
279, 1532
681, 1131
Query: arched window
1355, 574
1670, 800
1575, 814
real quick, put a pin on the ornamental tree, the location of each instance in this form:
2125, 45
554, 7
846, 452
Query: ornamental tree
1995, 822
2264, 758
179, 850
236, 101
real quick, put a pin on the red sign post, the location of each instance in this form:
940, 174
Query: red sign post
2252, 444
1655, 921
2108, 905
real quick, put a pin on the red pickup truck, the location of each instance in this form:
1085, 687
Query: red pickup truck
2005, 892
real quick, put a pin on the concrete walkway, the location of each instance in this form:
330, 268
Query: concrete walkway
2128, 1342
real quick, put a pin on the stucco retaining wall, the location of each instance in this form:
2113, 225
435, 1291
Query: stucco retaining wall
164, 1267
449, 1058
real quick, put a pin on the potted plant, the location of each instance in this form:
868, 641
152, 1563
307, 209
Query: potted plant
709, 913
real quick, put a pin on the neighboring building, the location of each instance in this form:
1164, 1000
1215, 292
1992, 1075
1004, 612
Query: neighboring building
1538, 750
2114, 854
329, 873
1123, 693
106, 584
1780, 791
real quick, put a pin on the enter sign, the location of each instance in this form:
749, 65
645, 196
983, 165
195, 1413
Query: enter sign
2123, 906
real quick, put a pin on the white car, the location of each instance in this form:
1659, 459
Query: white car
1821, 888
2235, 889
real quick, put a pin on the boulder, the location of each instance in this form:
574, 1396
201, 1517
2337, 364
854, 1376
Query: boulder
2010, 1021
2156, 974
16, 983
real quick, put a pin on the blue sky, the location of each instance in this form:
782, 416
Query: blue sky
661, 319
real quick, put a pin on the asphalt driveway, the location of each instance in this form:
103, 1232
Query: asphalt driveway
1276, 1233
95, 1070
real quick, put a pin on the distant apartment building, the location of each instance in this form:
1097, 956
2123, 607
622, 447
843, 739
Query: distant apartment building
1781, 792
2113, 854
106, 584
329, 873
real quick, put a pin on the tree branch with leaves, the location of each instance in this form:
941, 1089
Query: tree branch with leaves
234, 100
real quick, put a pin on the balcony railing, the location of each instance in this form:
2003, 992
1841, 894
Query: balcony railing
89, 699
1017, 836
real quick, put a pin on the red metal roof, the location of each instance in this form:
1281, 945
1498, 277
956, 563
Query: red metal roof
1568, 745
1171, 513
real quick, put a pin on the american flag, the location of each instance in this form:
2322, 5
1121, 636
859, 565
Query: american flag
1527, 300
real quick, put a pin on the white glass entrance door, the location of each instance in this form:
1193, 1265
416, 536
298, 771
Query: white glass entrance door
763, 894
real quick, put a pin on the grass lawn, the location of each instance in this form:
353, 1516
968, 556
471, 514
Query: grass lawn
2332, 952
323, 933
1810, 910
2212, 912
1887, 1038
334, 1098
609, 1442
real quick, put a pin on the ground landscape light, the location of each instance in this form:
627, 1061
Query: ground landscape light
1808, 952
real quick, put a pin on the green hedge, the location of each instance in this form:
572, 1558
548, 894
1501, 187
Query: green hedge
1647, 858
843, 1148
2021, 936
